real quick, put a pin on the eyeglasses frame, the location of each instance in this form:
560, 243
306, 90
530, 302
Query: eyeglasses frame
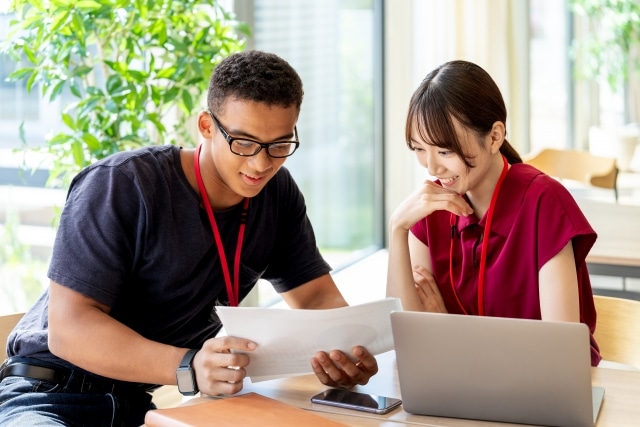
262, 145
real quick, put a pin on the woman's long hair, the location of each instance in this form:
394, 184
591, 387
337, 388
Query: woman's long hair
460, 90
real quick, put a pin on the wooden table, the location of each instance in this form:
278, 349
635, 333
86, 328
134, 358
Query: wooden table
617, 249
620, 408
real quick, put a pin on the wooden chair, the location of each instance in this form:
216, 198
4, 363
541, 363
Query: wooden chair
618, 329
575, 165
7, 322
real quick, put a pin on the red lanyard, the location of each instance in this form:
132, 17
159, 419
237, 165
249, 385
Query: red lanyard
485, 244
233, 290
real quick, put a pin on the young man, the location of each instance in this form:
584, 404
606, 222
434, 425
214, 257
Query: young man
151, 241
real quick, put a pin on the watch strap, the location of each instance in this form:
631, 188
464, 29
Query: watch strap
188, 358
190, 386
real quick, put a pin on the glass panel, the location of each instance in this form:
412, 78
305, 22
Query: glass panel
333, 44
23, 105
330, 43
549, 88
25, 232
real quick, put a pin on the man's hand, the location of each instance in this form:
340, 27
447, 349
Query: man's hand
337, 370
218, 369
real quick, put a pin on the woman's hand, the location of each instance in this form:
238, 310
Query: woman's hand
428, 198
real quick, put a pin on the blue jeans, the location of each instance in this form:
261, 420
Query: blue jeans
29, 402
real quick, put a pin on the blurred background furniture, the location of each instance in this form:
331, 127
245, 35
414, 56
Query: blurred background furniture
580, 166
618, 329
616, 251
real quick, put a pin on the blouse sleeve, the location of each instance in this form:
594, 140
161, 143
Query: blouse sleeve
559, 220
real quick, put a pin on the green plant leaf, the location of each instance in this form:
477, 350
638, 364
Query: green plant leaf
170, 95
68, 120
114, 83
187, 100
75, 87
21, 133
92, 142
126, 63
166, 73
142, 98
138, 76
58, 139
88, 5
78, 153
95, 91
111, 106
59, 19
31, 80
118, 67
61, 3
57, 90
30, 54
20, 74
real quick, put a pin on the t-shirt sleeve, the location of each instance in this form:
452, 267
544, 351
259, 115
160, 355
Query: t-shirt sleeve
95, 241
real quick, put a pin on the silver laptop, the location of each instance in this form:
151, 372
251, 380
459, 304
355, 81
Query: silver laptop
495, 369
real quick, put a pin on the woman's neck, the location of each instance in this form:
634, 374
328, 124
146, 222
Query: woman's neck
480, 196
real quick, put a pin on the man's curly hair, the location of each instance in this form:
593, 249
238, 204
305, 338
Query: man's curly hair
255, 76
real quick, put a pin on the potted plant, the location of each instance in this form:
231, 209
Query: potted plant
134, 70
608, 52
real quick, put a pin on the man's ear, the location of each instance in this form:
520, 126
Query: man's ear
205, 125
497, 135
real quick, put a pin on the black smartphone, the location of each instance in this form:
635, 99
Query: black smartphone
358, 401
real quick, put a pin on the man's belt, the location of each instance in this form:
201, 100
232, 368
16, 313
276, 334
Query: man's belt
68, 380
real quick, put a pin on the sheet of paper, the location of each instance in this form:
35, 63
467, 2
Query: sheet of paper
288, 338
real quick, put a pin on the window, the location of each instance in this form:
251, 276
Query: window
26, 208
550, 121
564, 103
336, 48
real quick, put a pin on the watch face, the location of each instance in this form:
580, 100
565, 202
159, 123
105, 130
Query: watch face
186, 383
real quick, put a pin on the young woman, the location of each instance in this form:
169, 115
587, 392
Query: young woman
490, 236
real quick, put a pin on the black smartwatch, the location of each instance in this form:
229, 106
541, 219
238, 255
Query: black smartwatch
186, 376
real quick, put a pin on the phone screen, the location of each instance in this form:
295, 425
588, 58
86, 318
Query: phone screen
358, 401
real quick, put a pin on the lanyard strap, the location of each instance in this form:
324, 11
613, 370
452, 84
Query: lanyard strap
485, 244
233, 290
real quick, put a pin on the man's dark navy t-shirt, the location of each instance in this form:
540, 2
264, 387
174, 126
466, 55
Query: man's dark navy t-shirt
133, 236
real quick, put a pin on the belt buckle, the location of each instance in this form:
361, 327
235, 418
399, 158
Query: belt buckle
87, 384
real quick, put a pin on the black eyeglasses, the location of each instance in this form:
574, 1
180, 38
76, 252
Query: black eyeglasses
248, 147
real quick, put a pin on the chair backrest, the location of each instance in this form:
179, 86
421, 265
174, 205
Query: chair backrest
7, 322
580, 166
618, 329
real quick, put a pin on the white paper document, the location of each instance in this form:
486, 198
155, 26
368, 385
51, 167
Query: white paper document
288, 338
